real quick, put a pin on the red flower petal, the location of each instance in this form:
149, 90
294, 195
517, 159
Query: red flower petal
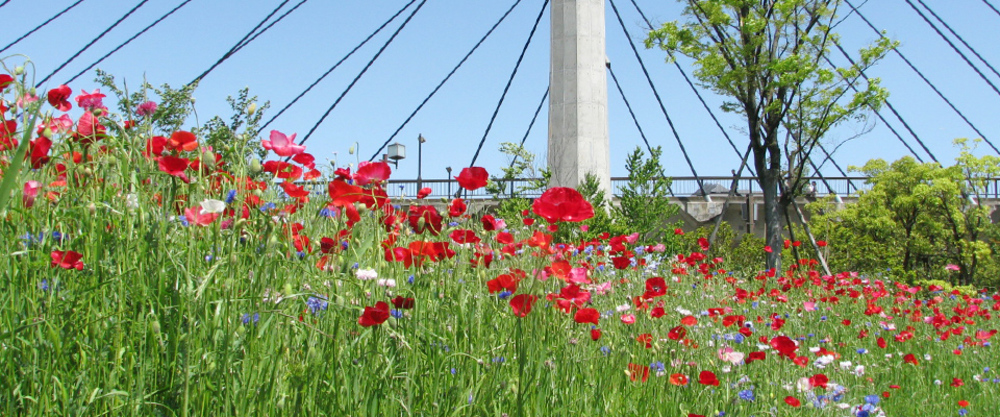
472, 178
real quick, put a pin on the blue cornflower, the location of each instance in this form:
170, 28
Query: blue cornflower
499, 359
316, 304
183, 221
657, 367
43, 285
605, 350
871, 399
230, 196
862, 351
747, 395
963, 411
268, 206
396, 313
247, 318
754, 304
327, 212
504, 294
410, 279
454, 371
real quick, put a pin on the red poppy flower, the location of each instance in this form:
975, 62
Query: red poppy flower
821, 243
424, 218
521, 304
636, 371
461, 236
503, 282
784, 345
677, 333
89, 129
957, 382
909, 358
59, 98
174, 166
963, 403
282, 145
472, 178
756, 356
293, 190
283, 170
645, 339
689, 320
369, 172
819, 380
67, 259
678, 379
424, 192
5, 81
183, 141
708, 378
39, 152
306, 160
881, 343
587, 315
562, 204
595, 334
344, 194
402, 303
195, 216
374, 316
655, 287
456, 208
792, 401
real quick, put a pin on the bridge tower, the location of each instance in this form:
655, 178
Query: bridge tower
578, 94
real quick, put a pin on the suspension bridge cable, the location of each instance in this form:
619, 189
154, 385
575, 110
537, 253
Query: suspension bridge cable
538, 110
697, 93
91, 43
701, 185
510, 80
992, 8
959, 37
40, 26
879, 114
919, 73
446, 78
953, 47
335, 66
629, 107
122, 45
240, 43
362, 73
4, 3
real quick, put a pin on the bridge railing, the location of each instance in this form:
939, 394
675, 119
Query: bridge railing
680, 187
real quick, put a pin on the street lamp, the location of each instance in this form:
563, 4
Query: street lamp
420, 160
395, 152
449, 179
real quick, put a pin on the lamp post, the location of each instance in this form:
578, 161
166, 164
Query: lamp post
449, 179
395, 152
420, 160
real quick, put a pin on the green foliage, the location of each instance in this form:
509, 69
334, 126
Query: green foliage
645, 205
510, 196
917, 218
174, 106
602, 221
227, 140
767, 58
946, 288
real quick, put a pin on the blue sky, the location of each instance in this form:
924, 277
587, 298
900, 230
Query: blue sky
286, 59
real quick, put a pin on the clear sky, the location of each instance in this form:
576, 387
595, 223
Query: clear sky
285, 60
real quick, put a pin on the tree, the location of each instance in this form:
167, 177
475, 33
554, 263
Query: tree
769, 58
922, 219
645, 204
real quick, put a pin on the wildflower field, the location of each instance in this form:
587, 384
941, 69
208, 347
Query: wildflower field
145, 274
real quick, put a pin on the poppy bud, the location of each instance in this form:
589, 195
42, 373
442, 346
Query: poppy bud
351, 150
255, 167
47, 132
92, 208
252, 109
18, 70
155, 326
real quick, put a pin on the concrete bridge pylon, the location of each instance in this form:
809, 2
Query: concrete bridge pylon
578, 94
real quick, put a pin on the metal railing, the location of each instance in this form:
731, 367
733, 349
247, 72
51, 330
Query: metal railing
680, 187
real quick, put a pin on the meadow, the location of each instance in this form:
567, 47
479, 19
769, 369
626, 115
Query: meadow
145, 274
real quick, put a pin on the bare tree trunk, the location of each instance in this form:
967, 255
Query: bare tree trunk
772, 216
